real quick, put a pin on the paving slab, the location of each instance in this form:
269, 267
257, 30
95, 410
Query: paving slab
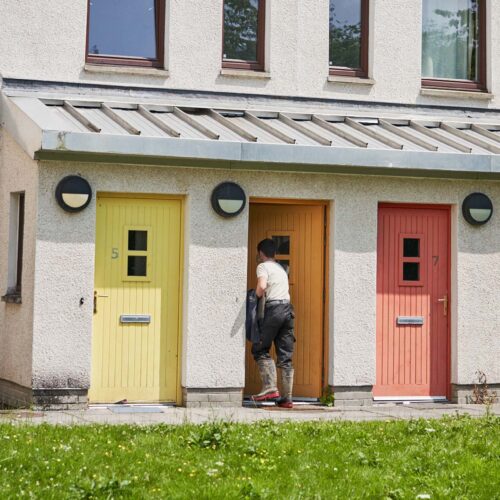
171, 415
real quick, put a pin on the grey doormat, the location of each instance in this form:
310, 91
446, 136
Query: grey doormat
134, 409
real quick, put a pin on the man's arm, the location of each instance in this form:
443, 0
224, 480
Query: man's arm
261, 286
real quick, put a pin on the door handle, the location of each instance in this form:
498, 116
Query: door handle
95, 300
444, 300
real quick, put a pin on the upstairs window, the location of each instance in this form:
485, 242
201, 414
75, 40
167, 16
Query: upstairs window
349, 37
244, 29
126, 32
454, 44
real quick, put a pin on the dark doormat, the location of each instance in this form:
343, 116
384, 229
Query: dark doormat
134, 409
300, 406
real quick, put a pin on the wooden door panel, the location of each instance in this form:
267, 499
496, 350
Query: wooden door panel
137, 362
305, 226
412, 278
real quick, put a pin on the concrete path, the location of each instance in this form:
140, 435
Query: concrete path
149, 415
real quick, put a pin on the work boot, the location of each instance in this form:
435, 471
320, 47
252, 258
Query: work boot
287, 385
267, 371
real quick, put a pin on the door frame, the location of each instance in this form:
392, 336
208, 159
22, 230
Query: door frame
182, 199
448, 210
326, 204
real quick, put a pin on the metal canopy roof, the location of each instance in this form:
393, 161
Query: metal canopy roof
100, 130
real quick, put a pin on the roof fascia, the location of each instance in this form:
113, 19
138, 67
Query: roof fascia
102, 148
20, 126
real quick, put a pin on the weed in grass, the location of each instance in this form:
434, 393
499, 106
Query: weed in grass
99, 489
327, 397
212, 435
481, 394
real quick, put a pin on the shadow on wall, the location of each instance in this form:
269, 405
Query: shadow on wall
239, 321
204, 228
348, 90
449, 101
121, 78
236, 82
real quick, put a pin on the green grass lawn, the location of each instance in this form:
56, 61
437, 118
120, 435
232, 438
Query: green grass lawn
454, 458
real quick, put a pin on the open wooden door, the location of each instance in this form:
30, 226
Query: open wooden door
299, 233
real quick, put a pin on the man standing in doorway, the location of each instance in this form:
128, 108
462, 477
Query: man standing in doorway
277, 326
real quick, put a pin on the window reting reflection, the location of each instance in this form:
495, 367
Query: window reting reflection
345, 33
123, 28
450, 39
240, 29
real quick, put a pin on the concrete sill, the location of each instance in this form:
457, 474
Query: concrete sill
244, 73
12, 298
457, 94
350, 79
108, 69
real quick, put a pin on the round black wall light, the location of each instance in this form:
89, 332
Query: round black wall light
228, 199
477, 209
73, 193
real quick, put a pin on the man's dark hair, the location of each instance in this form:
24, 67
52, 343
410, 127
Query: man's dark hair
267, 247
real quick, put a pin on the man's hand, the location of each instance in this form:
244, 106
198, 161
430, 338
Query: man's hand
261, 286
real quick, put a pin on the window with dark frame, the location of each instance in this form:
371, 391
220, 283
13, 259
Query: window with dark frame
126, 32
348, 44
454, 44
16, 243
411, 260
244, 32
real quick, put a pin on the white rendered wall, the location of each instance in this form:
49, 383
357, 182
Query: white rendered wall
215, 271
17, 173
46, 40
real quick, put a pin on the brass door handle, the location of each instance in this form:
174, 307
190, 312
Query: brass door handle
444, 300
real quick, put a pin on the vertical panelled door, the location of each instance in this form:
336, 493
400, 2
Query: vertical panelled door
413, 302
298, 231
137, 300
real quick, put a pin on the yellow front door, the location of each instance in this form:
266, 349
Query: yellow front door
135, 339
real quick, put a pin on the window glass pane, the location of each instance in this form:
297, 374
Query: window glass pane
241, 29
411, 247
411, 271
122, 28
285, 264
282, 244
345, 33
16, 237
137, 265
450, 39
138, 240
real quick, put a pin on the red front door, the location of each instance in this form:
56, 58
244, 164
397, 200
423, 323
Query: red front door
413, 302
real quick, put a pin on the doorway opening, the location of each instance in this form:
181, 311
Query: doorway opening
300, 230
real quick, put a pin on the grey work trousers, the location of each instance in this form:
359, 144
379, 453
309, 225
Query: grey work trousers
278, 327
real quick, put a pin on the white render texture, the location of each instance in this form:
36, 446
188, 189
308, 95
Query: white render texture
215, 271
17, 173
296, 47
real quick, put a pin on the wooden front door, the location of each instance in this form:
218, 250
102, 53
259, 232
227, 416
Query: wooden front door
137, 300
413, 299
299, 233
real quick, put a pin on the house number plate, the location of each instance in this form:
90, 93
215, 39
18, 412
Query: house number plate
135, 318
410, 320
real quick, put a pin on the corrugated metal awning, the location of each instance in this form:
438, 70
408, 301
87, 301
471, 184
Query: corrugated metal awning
133, 132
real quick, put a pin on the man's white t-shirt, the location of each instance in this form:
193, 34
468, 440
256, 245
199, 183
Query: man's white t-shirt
277, 280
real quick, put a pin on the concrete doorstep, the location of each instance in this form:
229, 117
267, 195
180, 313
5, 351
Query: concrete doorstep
171, 415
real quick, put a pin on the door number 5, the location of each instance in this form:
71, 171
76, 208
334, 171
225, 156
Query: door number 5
114, 253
